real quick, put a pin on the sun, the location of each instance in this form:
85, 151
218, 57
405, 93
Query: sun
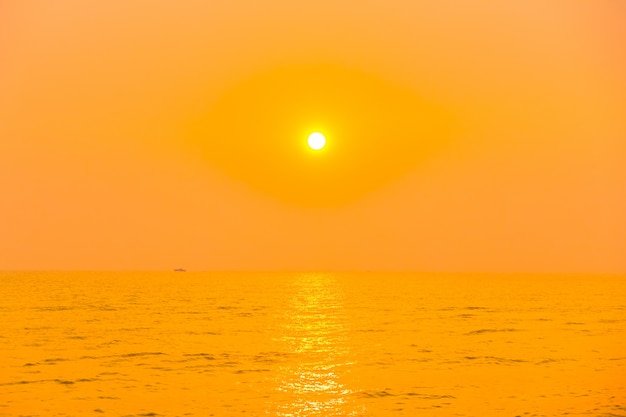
316, 141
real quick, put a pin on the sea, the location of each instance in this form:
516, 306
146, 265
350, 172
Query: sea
311, 344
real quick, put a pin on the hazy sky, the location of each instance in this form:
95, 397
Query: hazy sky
462, 136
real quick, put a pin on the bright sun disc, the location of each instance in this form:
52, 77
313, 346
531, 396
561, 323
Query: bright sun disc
316, 140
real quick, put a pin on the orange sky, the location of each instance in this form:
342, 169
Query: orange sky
462, 136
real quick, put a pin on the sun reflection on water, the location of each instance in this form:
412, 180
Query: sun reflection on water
314, 381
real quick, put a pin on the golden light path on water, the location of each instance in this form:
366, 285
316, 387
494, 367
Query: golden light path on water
315, 332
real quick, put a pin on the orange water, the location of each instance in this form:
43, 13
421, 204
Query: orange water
309, 344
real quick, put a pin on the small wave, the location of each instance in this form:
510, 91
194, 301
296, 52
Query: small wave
270, 357
552, 360
375, 394
124, 355
131, 355
38, 381
428, 396
58, 381
421, 350
245, 371
495, 359
194, 356
466, 316
50, 361
134, 329
481, 331
55, 308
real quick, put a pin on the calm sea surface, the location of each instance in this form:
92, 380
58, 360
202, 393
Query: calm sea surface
311, 344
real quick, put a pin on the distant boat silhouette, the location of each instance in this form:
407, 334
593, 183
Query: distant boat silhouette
180, 270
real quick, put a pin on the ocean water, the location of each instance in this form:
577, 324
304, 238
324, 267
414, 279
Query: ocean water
311, 344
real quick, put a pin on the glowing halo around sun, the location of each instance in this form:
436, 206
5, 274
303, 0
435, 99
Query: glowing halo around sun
316, 141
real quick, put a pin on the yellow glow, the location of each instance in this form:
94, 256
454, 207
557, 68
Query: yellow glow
316, 141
